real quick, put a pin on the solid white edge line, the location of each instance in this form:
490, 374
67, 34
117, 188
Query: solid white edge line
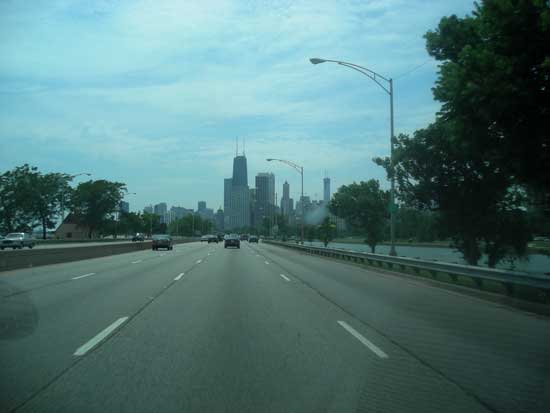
179, 277
199, 261
136, 262
82, 276
285, 277
98, 338
376, 350
266, 262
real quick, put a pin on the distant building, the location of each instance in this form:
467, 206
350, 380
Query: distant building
220, 224
124, 207
161, 209
287, 203
71, 229
148, 209
237, 196
178, 212
265, 197
201, 206
227, 185
326, 190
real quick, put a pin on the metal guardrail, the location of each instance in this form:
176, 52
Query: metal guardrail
509, 279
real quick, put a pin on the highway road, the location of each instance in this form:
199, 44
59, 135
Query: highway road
49, 245
259, 329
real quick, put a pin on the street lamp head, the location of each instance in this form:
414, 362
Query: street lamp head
316, 60
269, 159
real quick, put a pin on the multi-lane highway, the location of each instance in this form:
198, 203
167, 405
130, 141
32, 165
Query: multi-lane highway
203, 328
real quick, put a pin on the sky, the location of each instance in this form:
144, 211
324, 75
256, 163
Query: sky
154, 94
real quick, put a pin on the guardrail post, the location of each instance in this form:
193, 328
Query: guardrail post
509, 289
478, 282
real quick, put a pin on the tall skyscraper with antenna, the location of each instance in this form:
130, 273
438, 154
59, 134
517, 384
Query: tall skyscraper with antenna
237, 193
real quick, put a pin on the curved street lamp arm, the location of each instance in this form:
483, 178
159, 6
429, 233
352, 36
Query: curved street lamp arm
369, 73
289, 163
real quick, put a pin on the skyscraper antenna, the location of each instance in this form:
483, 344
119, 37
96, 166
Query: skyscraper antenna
244, 143
237, 145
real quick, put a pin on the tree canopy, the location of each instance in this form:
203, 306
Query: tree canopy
365, 206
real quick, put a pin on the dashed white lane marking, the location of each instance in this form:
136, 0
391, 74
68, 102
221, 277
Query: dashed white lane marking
136, 262
266, 262
199, 261
257, 255
372, 347
101, 336
162, 255
82, 276
285, 277
179, 277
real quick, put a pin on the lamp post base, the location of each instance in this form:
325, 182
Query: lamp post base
393, 253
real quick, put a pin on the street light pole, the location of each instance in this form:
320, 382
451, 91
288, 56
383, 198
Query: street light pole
300, 170
389, 90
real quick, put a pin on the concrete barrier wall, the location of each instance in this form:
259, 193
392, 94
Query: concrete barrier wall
11, 260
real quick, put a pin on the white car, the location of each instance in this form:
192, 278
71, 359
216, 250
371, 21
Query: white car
17, 240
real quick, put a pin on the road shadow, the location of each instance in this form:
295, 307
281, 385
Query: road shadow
18, 315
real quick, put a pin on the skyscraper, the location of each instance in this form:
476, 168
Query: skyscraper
287, 203
237, 196
265, 196
326, 190
201, 206
240, 173
227, 185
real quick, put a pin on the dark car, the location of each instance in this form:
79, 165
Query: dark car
244, 237
138, 237
220, 237
162, 241
204, 238
253, 238
212, 238
232, 240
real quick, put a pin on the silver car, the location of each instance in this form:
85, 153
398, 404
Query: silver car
17, 240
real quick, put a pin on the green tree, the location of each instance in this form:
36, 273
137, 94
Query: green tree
29, 198
94, 201
16, 192
150, 223
326, 231
310, 232
486, 141
364, 206
45, 202
494, 83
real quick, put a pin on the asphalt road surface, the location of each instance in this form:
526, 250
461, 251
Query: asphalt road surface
49, 245
259, 329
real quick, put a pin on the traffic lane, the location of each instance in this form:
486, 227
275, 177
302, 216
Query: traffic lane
494, 352
48, 245
27, 279
233, 335
41, 328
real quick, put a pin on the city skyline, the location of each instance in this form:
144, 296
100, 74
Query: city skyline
158, 106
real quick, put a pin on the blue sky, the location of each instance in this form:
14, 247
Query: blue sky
154, 93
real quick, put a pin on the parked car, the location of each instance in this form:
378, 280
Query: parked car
17, 240
232, 240
253, 238
212, 238
204, 238
162, 241
138, 237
